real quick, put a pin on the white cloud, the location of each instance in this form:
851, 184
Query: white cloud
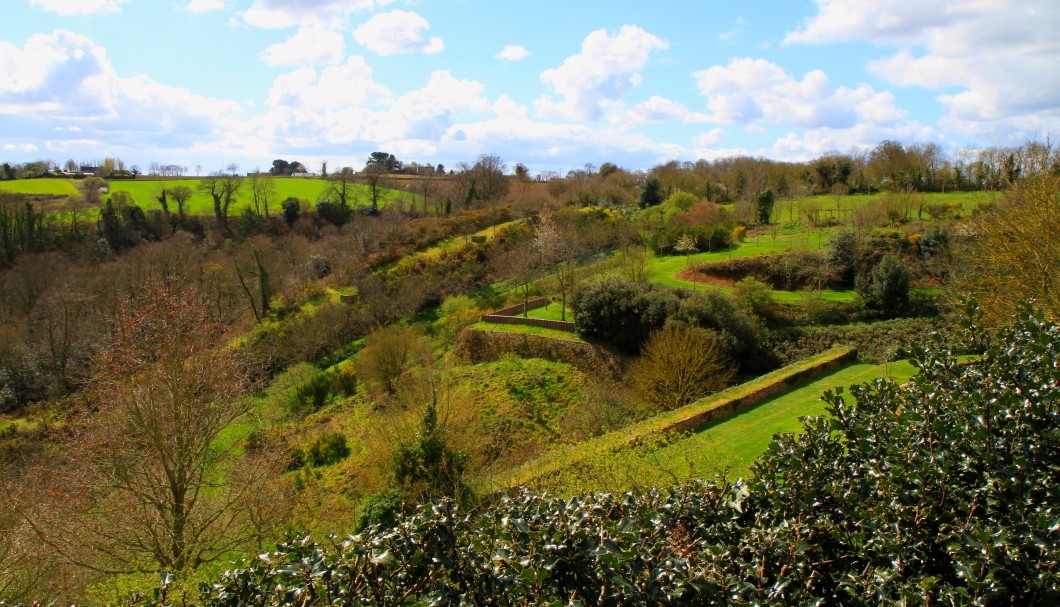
512, 52
730, 36
992, 61
397, 32
709, 139
309, 46
202, 6
326, 13
349, 84
601, 74
64, 84
79, 7
755, 90
25, 148
655, 110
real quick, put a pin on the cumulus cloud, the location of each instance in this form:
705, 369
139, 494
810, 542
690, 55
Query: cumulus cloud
64, 84
287, 13
512, 52
996, 55
654, 110
709, 139
349, 84
602, 73
749, 91
25, 148
79, 7
202, 6
397, 32
309, 46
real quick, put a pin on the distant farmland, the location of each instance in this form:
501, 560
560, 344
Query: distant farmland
145, 191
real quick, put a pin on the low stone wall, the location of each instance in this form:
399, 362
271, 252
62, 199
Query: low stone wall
510, 316
736, 404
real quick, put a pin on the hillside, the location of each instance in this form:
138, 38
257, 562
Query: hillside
332, 371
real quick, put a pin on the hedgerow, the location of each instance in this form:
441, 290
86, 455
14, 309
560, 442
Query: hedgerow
943, 491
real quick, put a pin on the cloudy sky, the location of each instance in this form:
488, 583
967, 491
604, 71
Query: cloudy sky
551, 84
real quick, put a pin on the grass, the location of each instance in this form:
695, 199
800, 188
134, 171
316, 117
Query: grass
568, 458
725, 447
144, 191
527, 330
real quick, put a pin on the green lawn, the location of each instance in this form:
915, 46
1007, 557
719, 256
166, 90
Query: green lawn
144, 191
727, 446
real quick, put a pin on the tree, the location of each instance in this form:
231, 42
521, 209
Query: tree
383, 162
341, 187
262, 191
149, 484
492, 185
846, 255
373, 176
887, 288
222, 188
764, 206
389, 354
1014, 250
679, 364
650, 193
181, 194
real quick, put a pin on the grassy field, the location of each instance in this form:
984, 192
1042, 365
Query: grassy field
727, 447
144, 191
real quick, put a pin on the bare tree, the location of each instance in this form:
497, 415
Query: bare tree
262, 191
150, 482
181, 194
222, 188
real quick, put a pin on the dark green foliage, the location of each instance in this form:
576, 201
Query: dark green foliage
942, 492
291, 208
876, 342
887, 289
846, 256
427, 466
249, 223
333, 211
310, 396
381, 509
622, 313
764, 206
327, 449
625, 314
651, 193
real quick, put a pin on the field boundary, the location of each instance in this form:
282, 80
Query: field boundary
508, 316
691, 417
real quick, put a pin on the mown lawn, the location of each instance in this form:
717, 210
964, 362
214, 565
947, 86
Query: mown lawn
727, 447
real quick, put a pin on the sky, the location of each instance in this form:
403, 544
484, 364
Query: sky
551, 84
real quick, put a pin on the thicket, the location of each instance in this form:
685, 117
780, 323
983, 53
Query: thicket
941, 491
625, 314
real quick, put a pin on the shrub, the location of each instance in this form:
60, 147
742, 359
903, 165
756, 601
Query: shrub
887, 289
622, 313
679, 364
846, 256
381, 509
333, 212
329, 448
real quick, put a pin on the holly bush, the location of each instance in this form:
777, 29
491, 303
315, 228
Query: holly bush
943, 491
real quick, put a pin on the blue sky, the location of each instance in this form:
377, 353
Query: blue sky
551, 84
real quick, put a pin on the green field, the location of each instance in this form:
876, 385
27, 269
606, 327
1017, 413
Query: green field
727, 447
145, 191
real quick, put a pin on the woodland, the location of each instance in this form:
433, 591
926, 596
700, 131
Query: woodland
282, 388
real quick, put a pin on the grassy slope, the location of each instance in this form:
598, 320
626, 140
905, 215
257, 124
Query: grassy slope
728, 446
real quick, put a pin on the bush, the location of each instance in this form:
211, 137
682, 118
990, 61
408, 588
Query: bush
887, 289
381, 509
333, 212
679, 364
622, 313
329, 448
